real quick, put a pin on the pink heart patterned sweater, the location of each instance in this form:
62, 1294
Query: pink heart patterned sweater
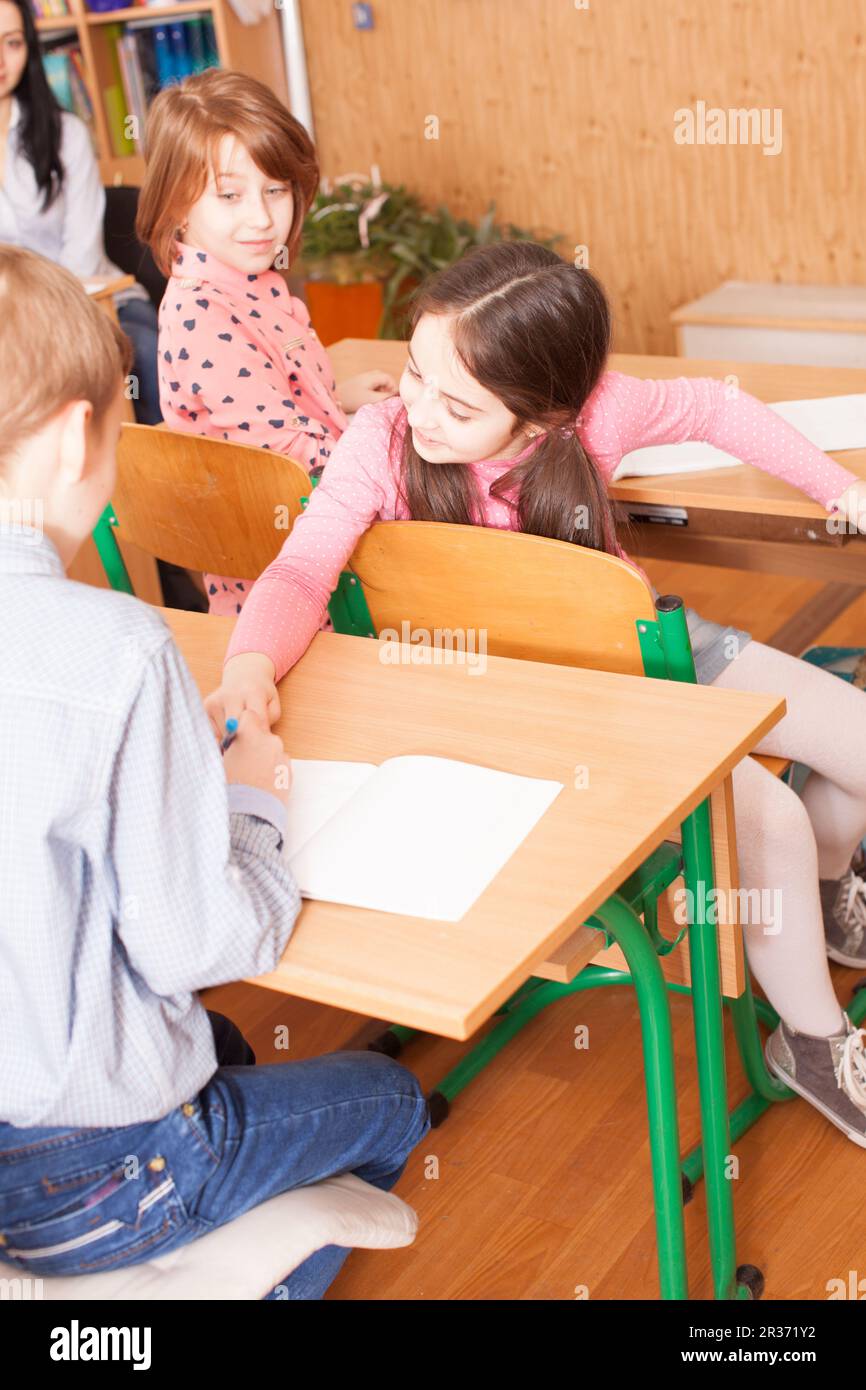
239, 360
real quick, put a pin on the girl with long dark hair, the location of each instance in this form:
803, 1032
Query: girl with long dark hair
507, 418
51, 197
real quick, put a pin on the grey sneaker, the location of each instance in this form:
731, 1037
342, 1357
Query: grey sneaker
830, 1073
843, 902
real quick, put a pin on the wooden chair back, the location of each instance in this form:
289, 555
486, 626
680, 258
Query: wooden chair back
205, 504
535, 598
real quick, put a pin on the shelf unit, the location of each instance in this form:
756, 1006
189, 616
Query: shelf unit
255, 49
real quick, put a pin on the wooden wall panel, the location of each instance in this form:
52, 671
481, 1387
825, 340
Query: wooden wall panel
566, 117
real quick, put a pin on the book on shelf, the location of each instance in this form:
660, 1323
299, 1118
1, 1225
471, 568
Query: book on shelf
64, 68
138, 75
153, 52
137, 58
49, 9
116, 110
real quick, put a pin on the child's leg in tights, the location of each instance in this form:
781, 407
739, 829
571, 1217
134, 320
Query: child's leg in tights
787, 843
776, 850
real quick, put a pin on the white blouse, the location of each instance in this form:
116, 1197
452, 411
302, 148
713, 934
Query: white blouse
69, 232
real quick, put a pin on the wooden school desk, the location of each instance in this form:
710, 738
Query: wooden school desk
741, 517
341, 702
653, 750
102, 291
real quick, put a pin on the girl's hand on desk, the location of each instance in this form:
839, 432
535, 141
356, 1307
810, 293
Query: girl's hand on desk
364, 389
247, 684
257, 758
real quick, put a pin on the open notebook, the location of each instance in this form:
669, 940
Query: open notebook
832, 423
417, 835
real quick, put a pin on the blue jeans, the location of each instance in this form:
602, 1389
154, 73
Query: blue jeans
78, 1201
137, 318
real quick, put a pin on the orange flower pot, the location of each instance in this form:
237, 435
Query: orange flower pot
344, 311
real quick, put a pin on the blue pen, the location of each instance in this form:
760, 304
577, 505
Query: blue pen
231, 734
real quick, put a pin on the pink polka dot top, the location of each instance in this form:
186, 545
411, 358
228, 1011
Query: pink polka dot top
360, 486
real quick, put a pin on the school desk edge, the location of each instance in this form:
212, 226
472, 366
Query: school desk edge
203, 638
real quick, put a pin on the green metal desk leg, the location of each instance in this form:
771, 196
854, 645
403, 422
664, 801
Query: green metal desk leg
710, 1050
699, 881
630, 935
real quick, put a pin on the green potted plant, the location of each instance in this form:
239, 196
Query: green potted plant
367, 244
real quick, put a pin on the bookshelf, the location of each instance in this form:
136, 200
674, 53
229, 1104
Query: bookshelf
255, 49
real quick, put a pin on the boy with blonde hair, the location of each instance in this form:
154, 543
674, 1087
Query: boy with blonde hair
136, 868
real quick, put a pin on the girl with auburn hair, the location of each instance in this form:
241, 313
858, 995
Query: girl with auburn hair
507, 418
230, 176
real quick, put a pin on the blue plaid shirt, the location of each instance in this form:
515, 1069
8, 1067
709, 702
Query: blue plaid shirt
130, 875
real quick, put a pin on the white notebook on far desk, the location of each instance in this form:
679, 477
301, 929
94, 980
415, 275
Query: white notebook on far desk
660, 459
831, 423
420, 836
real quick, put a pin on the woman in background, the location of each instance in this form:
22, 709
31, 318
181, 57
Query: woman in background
51, 196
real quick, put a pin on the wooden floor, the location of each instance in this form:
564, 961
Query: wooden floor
538, 1184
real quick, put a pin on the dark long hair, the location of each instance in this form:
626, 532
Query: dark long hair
39, 128
535, 332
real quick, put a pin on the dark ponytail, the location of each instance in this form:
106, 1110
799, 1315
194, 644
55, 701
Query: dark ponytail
535, 332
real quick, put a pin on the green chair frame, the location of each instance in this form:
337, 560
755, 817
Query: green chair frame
629, 917
347, 608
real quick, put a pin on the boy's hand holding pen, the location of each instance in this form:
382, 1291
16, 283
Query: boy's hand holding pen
255, 756
231, 734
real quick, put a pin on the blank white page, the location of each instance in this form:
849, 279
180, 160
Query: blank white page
422, 836
319, 788
692, 457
